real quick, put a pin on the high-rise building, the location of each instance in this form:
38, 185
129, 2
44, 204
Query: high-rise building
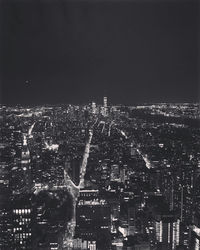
25, 152
25, 164
76, 163
72, 167
94, 108
194, 237
105, 102
5, 213
105, 106
21, 220
168, 231
93, 219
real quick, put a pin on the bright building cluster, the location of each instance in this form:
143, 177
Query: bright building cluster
100, 177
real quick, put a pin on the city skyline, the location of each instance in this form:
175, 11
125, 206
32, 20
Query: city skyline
100, 177
100, 135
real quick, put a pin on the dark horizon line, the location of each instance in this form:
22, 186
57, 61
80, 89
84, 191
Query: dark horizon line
101, 104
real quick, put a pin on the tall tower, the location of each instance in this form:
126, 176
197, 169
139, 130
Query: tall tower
105, 107
94, 108
168, 231
105, 102
25, 163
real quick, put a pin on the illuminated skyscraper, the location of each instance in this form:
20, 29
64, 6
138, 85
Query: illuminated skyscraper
21, 216
168, 231
105, 106
94, 108
194, 237
105, 102
5, 218
25, 163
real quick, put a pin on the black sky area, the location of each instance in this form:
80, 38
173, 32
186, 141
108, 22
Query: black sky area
76, 51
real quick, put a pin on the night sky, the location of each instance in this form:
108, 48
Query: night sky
77, 51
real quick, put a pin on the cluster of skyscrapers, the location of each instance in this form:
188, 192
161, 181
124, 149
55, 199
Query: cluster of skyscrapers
139, 169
